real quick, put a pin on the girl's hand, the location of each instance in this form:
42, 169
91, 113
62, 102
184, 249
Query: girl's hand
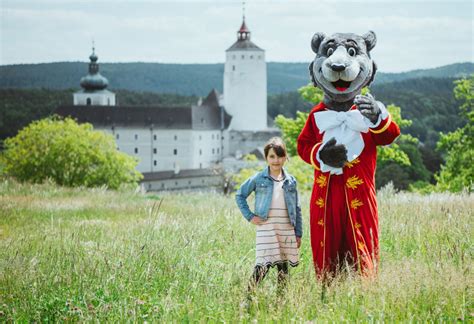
298, 242
256, 220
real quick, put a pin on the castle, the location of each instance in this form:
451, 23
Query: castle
186, 147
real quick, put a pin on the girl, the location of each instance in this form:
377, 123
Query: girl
277, 214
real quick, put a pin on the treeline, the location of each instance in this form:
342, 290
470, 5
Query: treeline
184, 79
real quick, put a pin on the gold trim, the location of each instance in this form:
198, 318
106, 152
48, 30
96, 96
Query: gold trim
321, 222
353, 231
311, 156
324, 221
383, 129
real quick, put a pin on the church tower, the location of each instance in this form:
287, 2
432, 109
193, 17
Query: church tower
94, 92
245, 83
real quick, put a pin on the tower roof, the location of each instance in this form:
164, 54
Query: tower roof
94, 80
243, 40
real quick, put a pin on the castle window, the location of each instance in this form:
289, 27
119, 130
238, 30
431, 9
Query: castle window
200, 152
200, 165
213, 151
217, 151
175, 137
243, 56
176, 183
233, 67
108, 101
136, 150
136, 136
200, 138
154, 150
175, 152
88, 101
212, 136
154, 137
117, 136
154, 163
251, 56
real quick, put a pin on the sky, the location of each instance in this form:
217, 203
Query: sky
414, 34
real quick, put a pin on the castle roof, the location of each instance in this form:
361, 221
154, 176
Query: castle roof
208, 115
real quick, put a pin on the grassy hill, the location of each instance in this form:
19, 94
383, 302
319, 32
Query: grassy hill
184, 79
97, 255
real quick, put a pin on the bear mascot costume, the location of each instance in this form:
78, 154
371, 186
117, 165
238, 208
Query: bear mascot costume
339, 140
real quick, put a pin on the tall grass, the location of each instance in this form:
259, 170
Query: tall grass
93, 254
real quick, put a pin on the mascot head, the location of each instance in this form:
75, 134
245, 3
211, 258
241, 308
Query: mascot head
342, 66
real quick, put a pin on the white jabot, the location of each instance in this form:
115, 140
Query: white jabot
346, 128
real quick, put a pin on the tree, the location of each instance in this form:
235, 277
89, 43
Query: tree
67, 153
458, 172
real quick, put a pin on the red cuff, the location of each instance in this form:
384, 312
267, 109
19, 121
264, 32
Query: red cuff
384, 124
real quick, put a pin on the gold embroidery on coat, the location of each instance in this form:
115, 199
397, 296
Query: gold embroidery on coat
356, 203
321, 181
320, 202
361, 245
351, 164
321, 222
353, 182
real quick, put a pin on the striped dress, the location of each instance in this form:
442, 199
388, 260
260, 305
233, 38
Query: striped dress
276, 240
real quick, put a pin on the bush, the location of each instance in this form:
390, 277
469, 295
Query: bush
67, 153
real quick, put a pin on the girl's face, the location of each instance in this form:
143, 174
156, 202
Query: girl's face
274, 161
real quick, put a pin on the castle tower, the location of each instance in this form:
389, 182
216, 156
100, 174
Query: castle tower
245, 83
94, 86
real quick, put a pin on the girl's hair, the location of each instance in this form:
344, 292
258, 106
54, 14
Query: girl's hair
277, 144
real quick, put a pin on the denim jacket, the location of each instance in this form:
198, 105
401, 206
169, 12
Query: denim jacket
262, 184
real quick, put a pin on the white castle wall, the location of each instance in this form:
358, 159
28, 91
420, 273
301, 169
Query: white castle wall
163, 150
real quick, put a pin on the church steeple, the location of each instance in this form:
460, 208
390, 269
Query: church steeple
94, 80
94, 92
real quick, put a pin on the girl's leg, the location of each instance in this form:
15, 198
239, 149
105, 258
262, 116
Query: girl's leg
283, 276
259, 273
282, 273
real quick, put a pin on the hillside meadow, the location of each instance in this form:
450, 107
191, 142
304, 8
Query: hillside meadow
99, 255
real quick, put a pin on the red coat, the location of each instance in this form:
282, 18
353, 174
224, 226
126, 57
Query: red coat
343, 210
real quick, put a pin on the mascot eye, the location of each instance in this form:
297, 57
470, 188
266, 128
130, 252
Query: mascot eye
351, 51
330, 51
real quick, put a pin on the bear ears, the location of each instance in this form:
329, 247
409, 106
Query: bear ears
369, 38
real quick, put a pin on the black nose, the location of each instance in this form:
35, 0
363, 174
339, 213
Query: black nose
338, 67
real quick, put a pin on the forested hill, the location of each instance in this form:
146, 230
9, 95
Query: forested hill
184, 79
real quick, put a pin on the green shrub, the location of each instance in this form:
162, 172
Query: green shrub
67, 153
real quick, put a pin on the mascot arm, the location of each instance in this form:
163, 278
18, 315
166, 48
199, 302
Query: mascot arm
307, 143
385, 132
